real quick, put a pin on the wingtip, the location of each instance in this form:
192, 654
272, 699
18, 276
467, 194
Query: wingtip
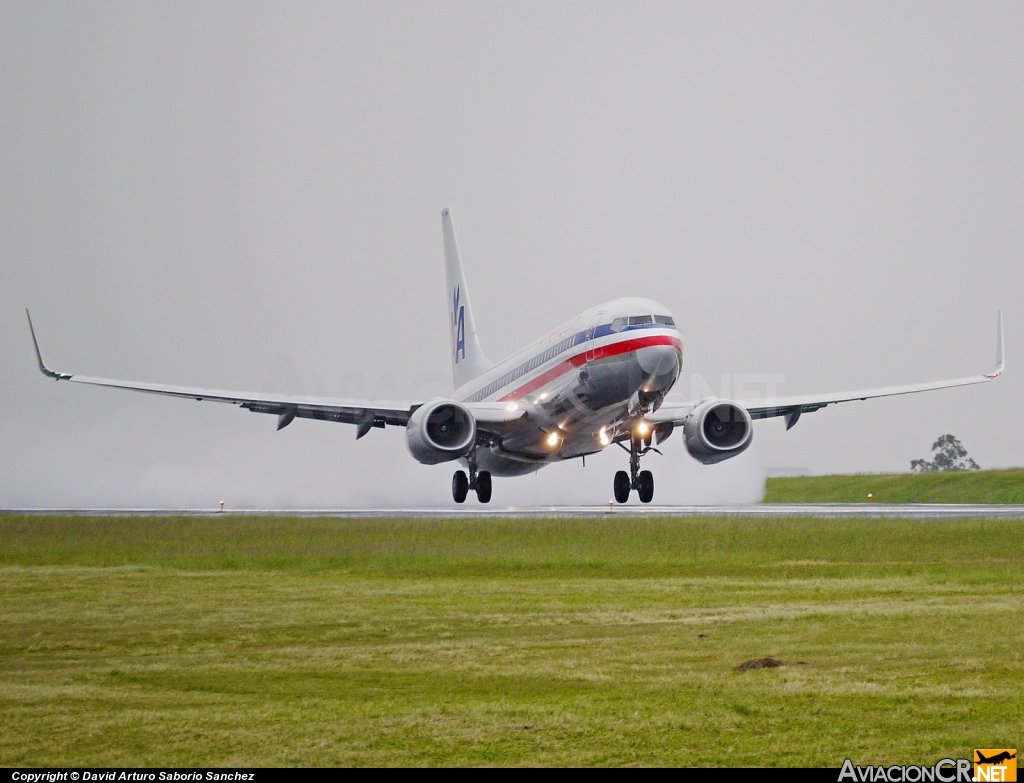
1000, 351
39, 356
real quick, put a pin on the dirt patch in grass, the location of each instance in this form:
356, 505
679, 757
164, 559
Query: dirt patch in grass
765, 663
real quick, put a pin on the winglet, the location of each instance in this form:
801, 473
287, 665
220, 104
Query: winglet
1000, 356
42, 367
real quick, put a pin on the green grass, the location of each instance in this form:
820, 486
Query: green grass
272, 641
976, 486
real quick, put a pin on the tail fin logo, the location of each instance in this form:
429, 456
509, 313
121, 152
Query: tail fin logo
458, 327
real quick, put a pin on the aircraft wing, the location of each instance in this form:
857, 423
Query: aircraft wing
365, 414
793, 407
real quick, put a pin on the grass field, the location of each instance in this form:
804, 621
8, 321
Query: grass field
976, 486
270, 641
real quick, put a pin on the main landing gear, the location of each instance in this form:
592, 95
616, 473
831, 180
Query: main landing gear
462, 484
640, 480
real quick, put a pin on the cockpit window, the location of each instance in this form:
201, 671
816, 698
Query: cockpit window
641, 320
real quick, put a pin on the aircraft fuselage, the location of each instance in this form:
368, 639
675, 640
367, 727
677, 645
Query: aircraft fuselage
582, 383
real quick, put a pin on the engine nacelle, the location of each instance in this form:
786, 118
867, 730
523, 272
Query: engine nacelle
717, 430
440, 431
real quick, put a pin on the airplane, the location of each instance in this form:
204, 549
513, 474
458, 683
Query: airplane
599, 379
996, 759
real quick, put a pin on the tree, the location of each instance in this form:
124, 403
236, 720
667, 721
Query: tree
949, 455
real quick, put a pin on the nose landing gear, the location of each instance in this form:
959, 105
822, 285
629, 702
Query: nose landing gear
479, 482
640, 480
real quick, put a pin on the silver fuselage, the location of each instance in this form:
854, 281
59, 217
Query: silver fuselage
584, 384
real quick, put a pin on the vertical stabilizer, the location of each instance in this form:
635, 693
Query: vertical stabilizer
468, 360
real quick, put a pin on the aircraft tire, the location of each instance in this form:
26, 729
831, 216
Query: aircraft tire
460, 486
646, 488
483, 486
621, 486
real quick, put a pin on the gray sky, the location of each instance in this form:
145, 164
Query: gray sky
245, 195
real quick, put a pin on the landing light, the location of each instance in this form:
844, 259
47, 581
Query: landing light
603, 437
643, 428
553, 439
544, 395
512, 406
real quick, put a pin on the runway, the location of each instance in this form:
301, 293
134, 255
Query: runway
922, 511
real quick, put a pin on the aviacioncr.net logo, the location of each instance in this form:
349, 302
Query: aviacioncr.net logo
943, 771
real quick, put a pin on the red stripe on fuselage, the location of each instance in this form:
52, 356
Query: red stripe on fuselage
602, 352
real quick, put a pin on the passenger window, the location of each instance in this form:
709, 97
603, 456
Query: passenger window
666, 320
637, 320
618, 324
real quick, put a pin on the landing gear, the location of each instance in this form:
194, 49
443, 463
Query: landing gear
621, 486
460, 486
480, 482
483, 486
640, 480
645, 486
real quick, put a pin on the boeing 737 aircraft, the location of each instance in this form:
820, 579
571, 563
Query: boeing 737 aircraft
598, 379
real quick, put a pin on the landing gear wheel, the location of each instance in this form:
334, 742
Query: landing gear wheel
460, 486
483, 486
621, 486
645, 488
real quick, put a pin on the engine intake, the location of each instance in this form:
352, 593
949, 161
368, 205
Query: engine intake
440, 431
717, 430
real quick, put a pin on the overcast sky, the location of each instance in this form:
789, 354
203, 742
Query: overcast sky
248, 196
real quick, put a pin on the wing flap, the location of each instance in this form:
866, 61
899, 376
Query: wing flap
350, 411
671, 413
807, 403
286, 407
496, 412
290, 407
793, 407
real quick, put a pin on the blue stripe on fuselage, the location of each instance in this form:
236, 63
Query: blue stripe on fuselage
534, 363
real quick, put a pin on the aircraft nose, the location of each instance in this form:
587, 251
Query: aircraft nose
661, 364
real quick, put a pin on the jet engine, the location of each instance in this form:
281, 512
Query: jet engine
440, 431
717, 430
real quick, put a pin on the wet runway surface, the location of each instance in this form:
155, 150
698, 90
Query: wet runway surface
827, 510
